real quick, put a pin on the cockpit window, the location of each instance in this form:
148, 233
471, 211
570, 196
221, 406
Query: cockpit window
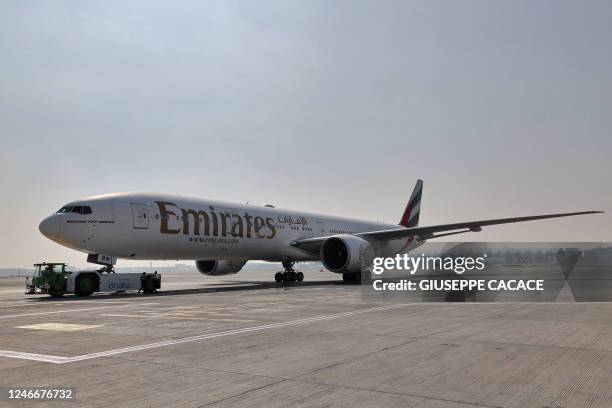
78, 209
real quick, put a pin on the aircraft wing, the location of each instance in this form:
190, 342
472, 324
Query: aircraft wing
435, 231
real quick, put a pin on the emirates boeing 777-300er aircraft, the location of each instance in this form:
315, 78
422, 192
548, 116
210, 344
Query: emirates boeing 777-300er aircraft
221, 237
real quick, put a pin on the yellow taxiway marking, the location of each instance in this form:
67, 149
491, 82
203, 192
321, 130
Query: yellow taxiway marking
69, 327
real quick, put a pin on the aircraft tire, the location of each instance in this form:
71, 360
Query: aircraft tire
278, 276
300, 276
292, 276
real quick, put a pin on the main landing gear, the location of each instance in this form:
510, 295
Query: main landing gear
107, 269
290, 275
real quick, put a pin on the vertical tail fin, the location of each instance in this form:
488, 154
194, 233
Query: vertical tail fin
413, 209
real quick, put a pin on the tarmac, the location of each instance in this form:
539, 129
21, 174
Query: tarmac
244, 341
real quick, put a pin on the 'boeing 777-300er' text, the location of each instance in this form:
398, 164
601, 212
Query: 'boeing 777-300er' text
221, 237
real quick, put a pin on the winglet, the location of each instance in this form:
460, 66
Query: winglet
413, 209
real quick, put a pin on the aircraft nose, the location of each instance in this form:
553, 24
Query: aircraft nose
50, 226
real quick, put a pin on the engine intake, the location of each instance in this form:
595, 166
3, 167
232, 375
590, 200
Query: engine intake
219, 267
346, 253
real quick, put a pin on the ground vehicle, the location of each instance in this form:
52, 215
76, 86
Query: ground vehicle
54, 279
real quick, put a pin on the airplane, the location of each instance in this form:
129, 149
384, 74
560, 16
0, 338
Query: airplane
221, 237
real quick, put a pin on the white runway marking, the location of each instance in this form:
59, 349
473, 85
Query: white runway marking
59, 326
71, 310
64, 360
35, 357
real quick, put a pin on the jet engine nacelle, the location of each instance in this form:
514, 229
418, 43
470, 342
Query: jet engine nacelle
346, 254
219, 267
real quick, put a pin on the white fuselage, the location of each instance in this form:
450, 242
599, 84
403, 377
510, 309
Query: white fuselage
165, 227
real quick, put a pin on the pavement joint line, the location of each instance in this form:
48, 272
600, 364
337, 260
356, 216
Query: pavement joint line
243, 393
63, 360
122, 315
72, 310
169, 316
500, 343
425, 397
299, 378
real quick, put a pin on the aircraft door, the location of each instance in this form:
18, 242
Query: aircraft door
141, 216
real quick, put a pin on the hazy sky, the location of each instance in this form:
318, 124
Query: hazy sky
504, 108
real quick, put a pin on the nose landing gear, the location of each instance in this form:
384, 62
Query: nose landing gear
290, 275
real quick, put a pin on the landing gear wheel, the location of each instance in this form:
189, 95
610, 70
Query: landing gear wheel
289, 275
56, 294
